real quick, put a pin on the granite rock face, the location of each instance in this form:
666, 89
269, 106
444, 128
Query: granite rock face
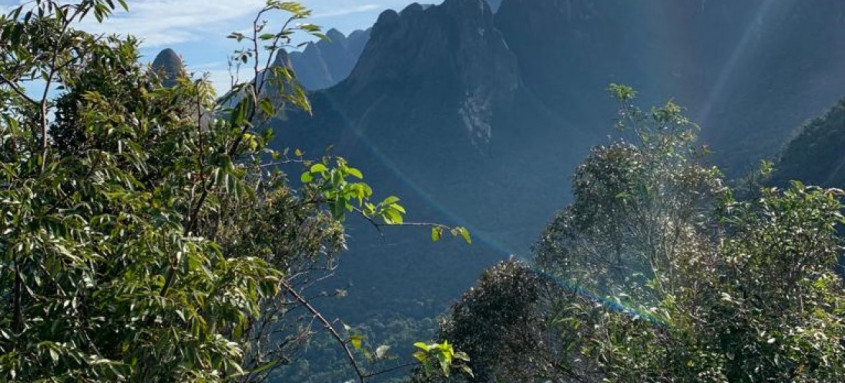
450, 53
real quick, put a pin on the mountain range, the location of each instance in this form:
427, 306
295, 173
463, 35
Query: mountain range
325, 63
478, 118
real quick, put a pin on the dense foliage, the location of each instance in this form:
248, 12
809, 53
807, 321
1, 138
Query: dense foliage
148, 233
660, 275
502, 323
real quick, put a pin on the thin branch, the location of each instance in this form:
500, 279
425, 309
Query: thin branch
18, 90
361, 375
391, 369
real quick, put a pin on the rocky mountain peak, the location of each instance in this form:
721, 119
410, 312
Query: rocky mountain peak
283, 59
168, 65
325, 63
454, 47
335, 35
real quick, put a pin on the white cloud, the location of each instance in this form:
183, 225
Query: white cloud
346, 11
167, 22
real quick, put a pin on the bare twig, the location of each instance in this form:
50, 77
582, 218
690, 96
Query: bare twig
361, 375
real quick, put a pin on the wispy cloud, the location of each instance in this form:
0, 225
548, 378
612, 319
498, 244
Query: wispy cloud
160, 23
167, 22
347, 11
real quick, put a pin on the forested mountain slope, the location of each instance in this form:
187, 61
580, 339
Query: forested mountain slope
816, 155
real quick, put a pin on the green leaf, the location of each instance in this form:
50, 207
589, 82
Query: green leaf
436, 233
267, 107
318, 168
355, 173
306, 177
465, 233
397, 207
420, 356
395, 217
357, 340
462, 356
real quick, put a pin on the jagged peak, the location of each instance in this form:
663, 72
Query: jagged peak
335, 35
412, 8
282, 59
468, 7
455, 42
358, 32
464, 10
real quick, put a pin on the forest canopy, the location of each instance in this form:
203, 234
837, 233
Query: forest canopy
657, 273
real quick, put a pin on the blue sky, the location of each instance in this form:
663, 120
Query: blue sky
196, 29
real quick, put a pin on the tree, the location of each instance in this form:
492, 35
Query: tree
502, 323
642, 208
148, 232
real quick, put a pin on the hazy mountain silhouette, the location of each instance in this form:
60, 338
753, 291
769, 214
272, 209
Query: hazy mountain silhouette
325, 63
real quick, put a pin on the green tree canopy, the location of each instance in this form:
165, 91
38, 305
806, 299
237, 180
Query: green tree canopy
660, 275
148, 232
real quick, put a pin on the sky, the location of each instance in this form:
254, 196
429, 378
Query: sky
197, 29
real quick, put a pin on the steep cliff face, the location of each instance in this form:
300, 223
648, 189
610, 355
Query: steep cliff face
325, 63
450, 54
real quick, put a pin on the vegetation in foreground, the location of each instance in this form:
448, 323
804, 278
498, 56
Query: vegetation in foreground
148, 232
